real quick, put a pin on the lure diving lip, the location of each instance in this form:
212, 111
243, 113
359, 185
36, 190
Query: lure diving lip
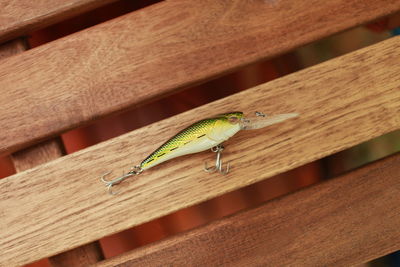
205, 134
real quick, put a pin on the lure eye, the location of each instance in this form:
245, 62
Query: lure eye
233, 119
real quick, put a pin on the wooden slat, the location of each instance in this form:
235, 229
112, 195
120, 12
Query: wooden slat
40, 154
149, 53
341, 103
85, 255
345, 221
17, 18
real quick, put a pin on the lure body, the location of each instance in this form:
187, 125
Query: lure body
198, 137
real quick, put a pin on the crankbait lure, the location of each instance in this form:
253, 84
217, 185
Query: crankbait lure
200, 136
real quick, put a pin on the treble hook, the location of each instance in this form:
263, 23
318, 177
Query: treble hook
218, 162
134, 171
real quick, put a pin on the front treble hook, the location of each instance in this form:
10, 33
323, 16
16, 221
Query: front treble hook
134, 171
218, 162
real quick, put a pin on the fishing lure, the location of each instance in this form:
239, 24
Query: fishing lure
203, 135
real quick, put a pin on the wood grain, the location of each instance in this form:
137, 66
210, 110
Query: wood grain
42, 153
18, 18
85, 255
341, 102
146, 54
346, 221
38, 154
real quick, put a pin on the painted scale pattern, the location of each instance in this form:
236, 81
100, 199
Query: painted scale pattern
200, 136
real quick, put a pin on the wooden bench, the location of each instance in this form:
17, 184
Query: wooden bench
59, 209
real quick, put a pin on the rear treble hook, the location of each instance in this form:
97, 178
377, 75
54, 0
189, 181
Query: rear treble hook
134, 171
218, 162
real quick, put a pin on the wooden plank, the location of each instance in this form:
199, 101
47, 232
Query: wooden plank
21, 17
40, 154
346, 221
341, 102
146, 54
85, 255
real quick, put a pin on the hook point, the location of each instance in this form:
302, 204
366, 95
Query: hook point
218, 162
103, 176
